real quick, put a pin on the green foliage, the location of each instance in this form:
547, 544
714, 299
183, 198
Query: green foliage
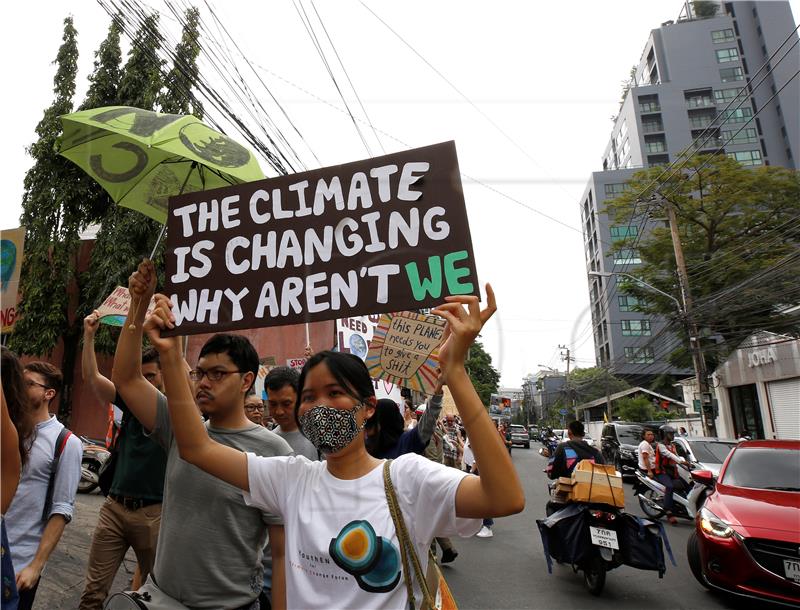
635, 409
484, 376
52, 216
178, 97
740, 234
705, 8
585, 385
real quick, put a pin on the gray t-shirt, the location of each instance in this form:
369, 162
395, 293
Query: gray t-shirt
299, 443
210, 542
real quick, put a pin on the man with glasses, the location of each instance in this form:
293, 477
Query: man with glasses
203, 519
35, 520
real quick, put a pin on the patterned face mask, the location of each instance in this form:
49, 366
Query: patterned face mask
329, 429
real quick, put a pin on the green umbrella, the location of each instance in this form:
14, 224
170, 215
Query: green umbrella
142, 157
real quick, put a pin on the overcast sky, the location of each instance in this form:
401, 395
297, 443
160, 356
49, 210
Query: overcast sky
525, 89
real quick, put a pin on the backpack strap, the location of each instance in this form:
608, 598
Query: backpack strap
61, 442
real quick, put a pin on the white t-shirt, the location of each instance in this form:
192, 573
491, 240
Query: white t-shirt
646, 447
341, 547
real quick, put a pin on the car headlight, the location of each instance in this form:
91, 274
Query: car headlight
713, 525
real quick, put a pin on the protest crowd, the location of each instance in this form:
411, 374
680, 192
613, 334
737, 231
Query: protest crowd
314, 495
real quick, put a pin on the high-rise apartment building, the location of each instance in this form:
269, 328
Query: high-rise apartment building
689, 72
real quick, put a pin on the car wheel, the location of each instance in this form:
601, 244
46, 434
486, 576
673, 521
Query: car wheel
695, 561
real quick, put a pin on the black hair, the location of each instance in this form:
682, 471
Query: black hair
390, 426
280, 377
349, 371
238, 348
576, 428
150, 354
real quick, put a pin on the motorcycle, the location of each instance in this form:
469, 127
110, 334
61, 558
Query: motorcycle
549, 446
685, 504
95, 455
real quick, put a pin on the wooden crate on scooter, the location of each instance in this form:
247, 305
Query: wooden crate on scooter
563, 490
597, 483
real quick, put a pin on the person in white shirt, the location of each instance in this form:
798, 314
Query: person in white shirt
646, 454
341, 546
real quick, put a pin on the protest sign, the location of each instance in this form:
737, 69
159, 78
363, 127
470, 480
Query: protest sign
265, 365
379, 235
405, 350
352, 337
296, 363
12, 242
116, 306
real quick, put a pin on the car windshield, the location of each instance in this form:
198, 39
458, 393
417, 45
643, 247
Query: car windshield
764, 468
711, 452
518, 429
629, 435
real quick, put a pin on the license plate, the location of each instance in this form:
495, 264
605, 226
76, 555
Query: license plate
791, 567
604, 537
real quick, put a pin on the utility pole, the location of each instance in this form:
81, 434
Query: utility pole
701, 376
570, 396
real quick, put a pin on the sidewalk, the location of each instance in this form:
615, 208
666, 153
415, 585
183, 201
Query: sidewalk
62, 581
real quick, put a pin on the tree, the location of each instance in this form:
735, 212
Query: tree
588, 384
178, 97
740, 234
705, 8
53, 216
126, 236
635, 409
484, 376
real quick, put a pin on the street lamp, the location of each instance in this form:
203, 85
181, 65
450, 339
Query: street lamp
692, 332
639, 281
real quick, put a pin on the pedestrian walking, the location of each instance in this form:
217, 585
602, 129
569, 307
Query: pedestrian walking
45, 497
342, 547
131, 514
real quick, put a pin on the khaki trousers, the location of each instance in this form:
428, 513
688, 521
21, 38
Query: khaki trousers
118, 529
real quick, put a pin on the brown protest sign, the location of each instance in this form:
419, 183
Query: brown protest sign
405, 350
383, 234
116, 306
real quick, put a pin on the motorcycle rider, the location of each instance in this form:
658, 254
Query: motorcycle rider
569, 453
665, 468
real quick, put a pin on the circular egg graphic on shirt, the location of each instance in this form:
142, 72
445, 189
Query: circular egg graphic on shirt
358, 346
372, 559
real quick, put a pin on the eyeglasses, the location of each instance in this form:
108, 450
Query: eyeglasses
30, 383
213, 374
254, 407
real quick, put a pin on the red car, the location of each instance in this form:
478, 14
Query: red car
747, 534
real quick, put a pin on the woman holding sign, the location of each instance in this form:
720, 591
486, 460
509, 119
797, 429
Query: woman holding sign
342, 544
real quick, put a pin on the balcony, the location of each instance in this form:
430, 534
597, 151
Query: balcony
652, 126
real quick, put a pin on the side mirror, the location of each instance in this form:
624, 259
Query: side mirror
704, 477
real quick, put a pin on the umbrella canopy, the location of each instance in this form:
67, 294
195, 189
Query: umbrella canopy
142, 157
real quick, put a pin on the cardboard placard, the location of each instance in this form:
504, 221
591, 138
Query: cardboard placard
296, 363
114, 309
379, 235
405, 350
12, 245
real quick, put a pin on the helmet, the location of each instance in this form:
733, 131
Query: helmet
666, 433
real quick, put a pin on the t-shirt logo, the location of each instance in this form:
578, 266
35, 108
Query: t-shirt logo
373, 560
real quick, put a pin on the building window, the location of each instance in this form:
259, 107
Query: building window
649, 103
619, 233
627, 256
725, 35
731, 75
746, 136
635, 328
747, 157
642, 355
652, 126
726, 55
628, 302
655, 147
700, 121
616, 188
726, 95
740, 115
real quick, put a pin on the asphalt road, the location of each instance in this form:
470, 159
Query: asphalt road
506, 571
509, 569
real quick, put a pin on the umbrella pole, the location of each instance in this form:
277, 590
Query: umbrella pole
132, 326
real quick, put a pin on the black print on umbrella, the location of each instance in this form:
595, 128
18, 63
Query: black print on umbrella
213, 147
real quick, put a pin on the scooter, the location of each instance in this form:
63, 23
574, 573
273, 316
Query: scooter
550, 444
95, 455
685, 505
